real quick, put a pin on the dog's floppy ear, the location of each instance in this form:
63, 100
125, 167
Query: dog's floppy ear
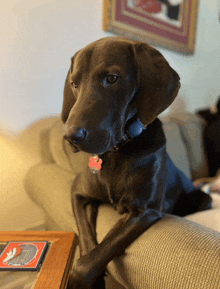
158, 83
68, 96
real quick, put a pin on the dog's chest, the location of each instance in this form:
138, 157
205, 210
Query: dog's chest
114, 176
111, 183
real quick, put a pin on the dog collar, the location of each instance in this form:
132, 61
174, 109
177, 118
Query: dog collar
134, 130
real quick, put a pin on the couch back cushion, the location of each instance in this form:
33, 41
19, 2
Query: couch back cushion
191, 129
175, 146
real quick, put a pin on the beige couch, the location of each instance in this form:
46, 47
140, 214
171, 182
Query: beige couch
38, 170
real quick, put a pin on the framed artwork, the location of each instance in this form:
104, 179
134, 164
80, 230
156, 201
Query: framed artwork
167, 23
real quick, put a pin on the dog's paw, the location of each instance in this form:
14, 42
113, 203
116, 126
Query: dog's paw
77, 281
84, 275
81, 277
100, 282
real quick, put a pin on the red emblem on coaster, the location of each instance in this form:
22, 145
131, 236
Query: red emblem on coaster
95, 164
22, 255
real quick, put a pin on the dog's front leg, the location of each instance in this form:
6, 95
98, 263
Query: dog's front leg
90, 266
85, 211
87, 236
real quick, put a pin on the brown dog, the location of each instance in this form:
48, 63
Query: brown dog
114, 91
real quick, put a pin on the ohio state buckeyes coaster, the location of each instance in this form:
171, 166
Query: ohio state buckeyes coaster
23, 255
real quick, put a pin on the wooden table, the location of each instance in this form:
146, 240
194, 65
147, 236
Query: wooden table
56, 265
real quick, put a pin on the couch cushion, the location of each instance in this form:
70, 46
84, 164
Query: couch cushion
209, 218
175, 146
191, 129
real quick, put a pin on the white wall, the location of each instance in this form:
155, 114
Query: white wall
39, 37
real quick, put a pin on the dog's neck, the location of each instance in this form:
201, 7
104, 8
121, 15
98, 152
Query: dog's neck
132, 130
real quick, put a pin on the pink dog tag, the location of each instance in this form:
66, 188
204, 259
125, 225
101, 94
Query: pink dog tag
95, 164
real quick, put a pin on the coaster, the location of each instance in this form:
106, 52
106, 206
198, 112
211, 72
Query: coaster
23, 255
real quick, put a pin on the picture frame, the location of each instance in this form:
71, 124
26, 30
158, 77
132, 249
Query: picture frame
155, 22
56, 265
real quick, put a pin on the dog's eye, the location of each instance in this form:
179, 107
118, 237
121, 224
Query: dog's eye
112, 78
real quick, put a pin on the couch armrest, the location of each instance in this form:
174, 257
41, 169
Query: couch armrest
173, 253
18, 155
18, 212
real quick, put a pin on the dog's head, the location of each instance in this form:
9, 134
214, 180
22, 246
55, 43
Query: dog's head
109, 82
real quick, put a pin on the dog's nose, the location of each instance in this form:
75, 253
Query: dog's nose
76, 137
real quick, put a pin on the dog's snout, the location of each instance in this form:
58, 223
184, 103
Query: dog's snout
76, 136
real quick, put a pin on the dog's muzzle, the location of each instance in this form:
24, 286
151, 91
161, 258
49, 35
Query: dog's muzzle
88, 140
83, 139
76, 137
